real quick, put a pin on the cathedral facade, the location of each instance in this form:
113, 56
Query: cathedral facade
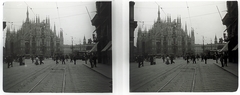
165, 37
34, 38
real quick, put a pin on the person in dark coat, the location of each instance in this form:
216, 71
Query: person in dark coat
225, 59
91, 60
151, 60
140, 61
10, 61
95, 60
20, 60
187, 58
221, 60
194, 59
163, 57
63, 59
171, 59
74, 59
205, 58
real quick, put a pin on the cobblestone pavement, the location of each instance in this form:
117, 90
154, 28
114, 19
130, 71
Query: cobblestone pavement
52, 77
181, 77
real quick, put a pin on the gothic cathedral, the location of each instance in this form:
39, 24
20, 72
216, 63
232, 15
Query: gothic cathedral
165, 38
34, 38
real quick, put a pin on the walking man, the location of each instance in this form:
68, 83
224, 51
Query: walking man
74, 59
205, 58
63, 60
194, 59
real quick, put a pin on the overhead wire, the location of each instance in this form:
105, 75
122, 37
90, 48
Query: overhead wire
30, 8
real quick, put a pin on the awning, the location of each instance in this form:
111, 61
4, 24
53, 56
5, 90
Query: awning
107, 46
235, 48
225, 48
94, 48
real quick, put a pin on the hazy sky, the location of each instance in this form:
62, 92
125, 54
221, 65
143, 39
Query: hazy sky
72, 17
204, 16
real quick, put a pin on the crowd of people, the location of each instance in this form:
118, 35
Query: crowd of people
169, 59
10, 59
39, 60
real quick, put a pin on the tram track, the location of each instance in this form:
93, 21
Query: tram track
45, 78
24, 78
174, 77
159, 76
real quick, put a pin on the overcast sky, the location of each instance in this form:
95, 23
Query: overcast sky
202, 16
72, 17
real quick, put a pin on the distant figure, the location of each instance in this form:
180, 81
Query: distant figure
154, 60
205, 58
74, 59
63, 59
171, 58
216, 58
23, 60
9, 61
167, 60
151, 60
225, 59
187, 59
140, 61
20, 60
85, 58
163, 57
36, 60
194, 59
56, 59
221, 60
32, 58
95, 60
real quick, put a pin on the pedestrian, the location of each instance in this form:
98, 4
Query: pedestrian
95, 60
202, 58
74, 59
205, 58
167, 60
216, 57
171, 58
187, 59
163, 57
71, 58
140, 62
194, 59
85, 58
20, 60
151, 60
32, 59
221, 60
23, 60
56, 59
154, 60
40, 59
9, 61
63, 59
36, 60
91, 60
225, 59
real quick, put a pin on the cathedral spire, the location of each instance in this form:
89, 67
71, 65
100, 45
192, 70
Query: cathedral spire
84, 40
27, 15
158, 14
215, 40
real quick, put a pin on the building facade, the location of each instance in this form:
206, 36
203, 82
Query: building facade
166, 37
231, 33
35, 37
132, 26
102, 36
